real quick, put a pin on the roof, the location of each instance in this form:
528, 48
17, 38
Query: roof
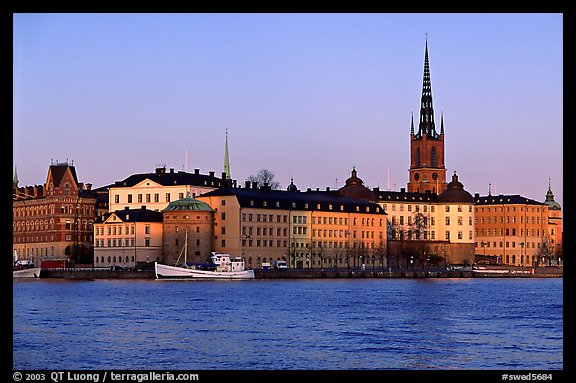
514, 199
291, 200
133, 215
355, 188
57, 171
403, 196
188, 203
455, 193
171, 178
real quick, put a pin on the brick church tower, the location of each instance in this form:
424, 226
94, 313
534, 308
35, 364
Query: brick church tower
427, 170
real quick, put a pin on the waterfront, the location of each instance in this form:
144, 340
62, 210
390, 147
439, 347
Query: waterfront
442, 324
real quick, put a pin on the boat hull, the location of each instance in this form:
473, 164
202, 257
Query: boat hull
33, 272
175, 272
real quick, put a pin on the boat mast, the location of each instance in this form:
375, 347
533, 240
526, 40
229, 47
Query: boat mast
185, 248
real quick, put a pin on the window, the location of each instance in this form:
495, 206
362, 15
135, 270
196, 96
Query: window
167, 197
156, 197
147, 229
117, 198
139, 198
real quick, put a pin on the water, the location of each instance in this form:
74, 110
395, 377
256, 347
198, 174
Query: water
370, 324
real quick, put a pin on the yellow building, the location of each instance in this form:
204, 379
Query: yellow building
156, 190
127, 237
307, 229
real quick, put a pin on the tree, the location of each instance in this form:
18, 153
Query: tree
264, 177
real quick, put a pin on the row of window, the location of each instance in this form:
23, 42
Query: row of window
535, 220
117, 230
112, 259
140, 198
424, 220
501, 208
488, 244
31, 211
529, 233
423, 234
44, 225
119, 242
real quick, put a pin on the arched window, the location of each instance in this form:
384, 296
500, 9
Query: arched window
418, 157
433, 160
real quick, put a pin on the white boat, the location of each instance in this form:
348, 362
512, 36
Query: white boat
222, 266
25, 269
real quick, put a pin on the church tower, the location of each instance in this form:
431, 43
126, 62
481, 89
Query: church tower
427, 170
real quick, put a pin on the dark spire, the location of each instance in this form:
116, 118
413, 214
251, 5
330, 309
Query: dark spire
426, 125
442, 123
412, 124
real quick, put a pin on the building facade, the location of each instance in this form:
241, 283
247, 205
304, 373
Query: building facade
128, 237
187, 231
54, 221
511, 229
156, 190
307, 229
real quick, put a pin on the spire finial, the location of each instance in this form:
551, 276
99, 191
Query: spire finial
412, 124
227, 159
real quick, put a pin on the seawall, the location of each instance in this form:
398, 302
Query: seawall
313, 274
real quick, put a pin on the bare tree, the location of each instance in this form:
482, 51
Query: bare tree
264, 177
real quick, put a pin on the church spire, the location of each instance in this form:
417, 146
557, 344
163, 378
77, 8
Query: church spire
227, 159
426, 125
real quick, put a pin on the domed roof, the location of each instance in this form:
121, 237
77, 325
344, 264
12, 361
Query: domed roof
553, 205
455, 192
292, 187
188, 203
355, 188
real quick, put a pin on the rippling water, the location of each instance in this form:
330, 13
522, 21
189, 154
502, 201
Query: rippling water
289, 324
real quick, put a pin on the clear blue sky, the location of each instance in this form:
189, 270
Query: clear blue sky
307, 96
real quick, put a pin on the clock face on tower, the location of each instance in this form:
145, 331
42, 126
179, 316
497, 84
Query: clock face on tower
416, 176
434, 176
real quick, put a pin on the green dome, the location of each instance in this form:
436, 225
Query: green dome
188, 203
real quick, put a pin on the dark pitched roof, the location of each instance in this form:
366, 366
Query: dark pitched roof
402, 196
289, 200
171, 178
133, 215
513, 199
57, 171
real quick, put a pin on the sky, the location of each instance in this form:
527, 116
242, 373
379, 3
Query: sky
308, 96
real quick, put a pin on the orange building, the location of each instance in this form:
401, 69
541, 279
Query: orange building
511, 229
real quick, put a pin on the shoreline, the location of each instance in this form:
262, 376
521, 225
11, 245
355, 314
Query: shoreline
542, 272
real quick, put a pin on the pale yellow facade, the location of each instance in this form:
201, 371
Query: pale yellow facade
152, 195
124, 242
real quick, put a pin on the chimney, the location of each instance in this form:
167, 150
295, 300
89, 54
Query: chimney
247, 184
254, 185
476, 195
402, 190
172, 170
211, 174
196, 171
223, 175
88, 186
327, 188
160, 170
